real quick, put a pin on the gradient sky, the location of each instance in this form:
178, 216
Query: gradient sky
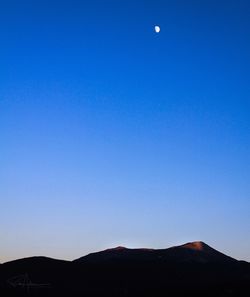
111, 134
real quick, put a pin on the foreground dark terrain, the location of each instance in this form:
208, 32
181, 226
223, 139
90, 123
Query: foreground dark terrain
192, 269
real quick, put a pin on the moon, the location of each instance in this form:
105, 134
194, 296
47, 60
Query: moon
157, 29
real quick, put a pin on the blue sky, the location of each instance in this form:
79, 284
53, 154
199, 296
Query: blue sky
112, 134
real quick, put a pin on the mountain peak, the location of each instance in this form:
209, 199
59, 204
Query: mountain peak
118, 248
196, 245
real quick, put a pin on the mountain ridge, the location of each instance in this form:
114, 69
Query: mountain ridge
195, 246
191, 269
196, 251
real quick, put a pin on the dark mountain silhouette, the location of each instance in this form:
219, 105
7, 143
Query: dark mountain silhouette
193, 269
40, 267
196, 252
